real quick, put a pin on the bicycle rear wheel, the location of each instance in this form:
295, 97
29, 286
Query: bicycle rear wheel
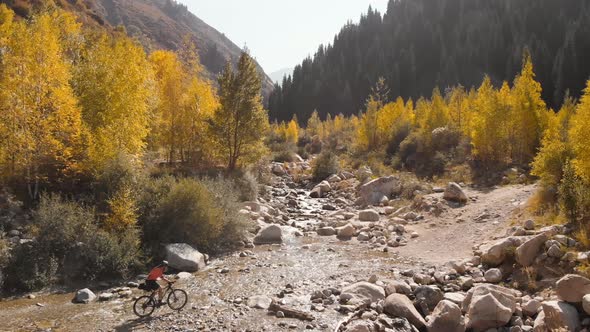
177, 299
144, 306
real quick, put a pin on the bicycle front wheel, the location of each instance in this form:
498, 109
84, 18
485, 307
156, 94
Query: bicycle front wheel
144, 306
177, 299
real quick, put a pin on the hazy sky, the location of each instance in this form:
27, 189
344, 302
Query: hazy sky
281, 33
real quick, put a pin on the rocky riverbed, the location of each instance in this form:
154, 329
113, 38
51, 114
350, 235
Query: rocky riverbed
347, 256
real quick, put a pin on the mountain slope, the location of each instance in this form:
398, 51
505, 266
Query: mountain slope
157, 24
420, 44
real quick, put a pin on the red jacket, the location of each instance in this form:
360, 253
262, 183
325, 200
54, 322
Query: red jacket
156, 273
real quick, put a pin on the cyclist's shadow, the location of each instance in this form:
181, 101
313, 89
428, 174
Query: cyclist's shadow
135, 324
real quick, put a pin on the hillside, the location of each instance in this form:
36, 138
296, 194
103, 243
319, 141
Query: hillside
157, 24
420, 44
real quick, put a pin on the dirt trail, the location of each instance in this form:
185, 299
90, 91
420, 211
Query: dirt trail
452, 234
307, 264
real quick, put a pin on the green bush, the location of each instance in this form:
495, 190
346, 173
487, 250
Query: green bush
325, 165
201, 213
69, 246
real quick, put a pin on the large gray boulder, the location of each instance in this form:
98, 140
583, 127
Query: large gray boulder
446, 317
399, 305
572, 288
184, 257
529, 250
557, 316
368, 215
320, 190
454, 192
363, 292
345, 232
494, 254
84, 296
489, 306
428, 295
269, 235
373, 192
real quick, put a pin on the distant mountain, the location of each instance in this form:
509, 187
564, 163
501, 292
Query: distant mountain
157, 24
420, 44
277, 76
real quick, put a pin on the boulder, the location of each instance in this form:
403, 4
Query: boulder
555, 251
259, 302
363, 292
373, 191
454, 297
184, 257
368, 215
346, 232
454, 192
531, 307
586, 304
84, 296
397, 286
489, 306
557, 316
320, 190
184, 275
486, 312
493, 276
105, 296
333, 178
278, 169
359, 326
529, 250
572, 288
399, 305
494, 254
363, 236
446, 317
326, 231
529, 225
428, 295
268, 235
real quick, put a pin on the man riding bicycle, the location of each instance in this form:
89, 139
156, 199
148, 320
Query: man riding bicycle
156, 274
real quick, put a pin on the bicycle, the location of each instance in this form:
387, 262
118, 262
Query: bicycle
175, 298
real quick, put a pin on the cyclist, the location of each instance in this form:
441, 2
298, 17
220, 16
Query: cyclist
156, 274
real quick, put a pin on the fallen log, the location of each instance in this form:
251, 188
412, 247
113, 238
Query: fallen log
290, 312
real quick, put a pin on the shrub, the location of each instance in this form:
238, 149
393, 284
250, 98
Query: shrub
325, 165
246, 185
68, 246
201, 213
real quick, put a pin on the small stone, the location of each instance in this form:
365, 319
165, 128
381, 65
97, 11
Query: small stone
280, 314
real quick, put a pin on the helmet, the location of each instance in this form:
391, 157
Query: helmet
165, 263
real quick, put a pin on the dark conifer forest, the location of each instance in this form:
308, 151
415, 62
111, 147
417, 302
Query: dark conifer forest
418, 45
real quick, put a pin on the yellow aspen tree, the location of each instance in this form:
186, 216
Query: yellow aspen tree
435, 115
292, 132
579, 137
555, 149
314, 125
41, 119
458, 108
199, 102
123, 211
486, 126
168, 73
529, 113
114, 82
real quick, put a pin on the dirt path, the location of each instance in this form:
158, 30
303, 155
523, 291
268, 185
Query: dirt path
453, 234
299, 267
